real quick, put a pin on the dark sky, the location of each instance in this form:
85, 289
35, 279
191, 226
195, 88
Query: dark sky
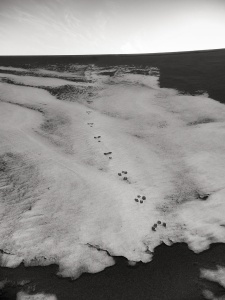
110, 26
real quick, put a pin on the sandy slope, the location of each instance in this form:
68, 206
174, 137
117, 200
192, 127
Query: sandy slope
62, 199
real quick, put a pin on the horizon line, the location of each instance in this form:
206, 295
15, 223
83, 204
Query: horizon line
117, 54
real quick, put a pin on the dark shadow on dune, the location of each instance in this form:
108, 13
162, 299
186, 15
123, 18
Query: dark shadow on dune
35, 74
10, 81
53, 127
174, 274
28, 106
67, 92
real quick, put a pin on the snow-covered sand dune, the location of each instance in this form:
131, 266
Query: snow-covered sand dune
85, 176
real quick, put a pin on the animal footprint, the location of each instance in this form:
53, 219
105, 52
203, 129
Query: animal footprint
107, 153
139, 198
98, 138
122, 174
156, 225
90, 124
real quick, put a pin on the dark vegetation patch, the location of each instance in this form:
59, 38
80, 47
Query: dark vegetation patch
54, 123
138, 136
201, 121
180, 197
162, 124
51, 125
70, 92
77, 68
139, 72
108, 73
14, 72
111, 114
55, 127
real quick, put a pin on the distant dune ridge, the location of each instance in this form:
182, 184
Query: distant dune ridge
63, 201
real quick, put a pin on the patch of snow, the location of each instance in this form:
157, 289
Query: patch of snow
41, 81
67, 204
215, 275
13, 69
25, 296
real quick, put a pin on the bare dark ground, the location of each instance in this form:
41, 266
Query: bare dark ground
172, 275
174, 272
